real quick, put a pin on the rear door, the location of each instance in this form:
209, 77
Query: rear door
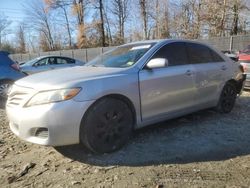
210, 73
169, 89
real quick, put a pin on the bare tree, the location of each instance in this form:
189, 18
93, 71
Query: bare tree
108, 29
21, 48
165, 32
120, 10
238, 6
43, 42
63, 5
40, 19
160, 15
144, 16
4, 23
100, 23
79, 7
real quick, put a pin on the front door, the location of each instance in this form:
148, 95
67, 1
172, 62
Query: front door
169, 89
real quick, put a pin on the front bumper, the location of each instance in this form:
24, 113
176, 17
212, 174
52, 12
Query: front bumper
61, 120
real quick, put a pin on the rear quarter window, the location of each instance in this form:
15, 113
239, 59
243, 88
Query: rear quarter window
216, 57
70, 61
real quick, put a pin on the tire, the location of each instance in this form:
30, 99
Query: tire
227, 98
4, 86
107, 125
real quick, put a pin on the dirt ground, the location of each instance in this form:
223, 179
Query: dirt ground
204, 149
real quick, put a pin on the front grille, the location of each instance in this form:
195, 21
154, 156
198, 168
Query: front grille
18, 95
40, 132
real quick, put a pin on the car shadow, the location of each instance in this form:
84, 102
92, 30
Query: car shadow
201, 136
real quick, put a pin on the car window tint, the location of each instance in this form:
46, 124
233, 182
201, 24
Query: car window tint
42, 62
61, 61
199, 54
52, 61
175, 53
216, 57
70, 61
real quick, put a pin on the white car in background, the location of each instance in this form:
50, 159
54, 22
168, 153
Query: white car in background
45, 63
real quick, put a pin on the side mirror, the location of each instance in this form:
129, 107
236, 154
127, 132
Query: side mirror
157, 63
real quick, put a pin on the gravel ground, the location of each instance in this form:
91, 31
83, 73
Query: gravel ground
204, 149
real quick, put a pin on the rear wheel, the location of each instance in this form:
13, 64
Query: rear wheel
107, 125
227, 98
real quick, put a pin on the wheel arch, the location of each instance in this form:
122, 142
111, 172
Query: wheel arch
119, 97
125, 100
237, 85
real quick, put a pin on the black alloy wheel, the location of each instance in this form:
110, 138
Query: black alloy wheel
227, 98
107, 125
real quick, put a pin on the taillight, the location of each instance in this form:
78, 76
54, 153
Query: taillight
15, 66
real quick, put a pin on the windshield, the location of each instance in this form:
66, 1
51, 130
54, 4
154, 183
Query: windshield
32, 61
121, 57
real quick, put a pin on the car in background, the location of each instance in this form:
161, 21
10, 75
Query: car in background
244, 60
9, 72
45, 63
134, 85
244, 55
232, 55
246, 67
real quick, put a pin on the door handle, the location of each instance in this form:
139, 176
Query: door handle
189, 72
223, 67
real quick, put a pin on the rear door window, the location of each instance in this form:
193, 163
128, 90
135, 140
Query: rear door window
198, 53
61, 61
216, 57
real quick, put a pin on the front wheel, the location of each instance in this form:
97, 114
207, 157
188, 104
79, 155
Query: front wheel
227, 98
107, 125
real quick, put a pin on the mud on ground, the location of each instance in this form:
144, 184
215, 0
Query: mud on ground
204, 149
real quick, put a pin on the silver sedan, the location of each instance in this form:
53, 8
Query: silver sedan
45, 63
134, 85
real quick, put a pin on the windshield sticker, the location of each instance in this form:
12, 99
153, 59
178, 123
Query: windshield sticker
140, 47
130, 63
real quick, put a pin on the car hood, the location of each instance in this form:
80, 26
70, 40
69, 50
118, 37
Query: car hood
68, 77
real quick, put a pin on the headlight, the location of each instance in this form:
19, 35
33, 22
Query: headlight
52, 96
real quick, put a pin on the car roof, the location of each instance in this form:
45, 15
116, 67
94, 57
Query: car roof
158, 41
44, 56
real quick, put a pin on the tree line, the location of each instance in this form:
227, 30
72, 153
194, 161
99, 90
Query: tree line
70, 24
